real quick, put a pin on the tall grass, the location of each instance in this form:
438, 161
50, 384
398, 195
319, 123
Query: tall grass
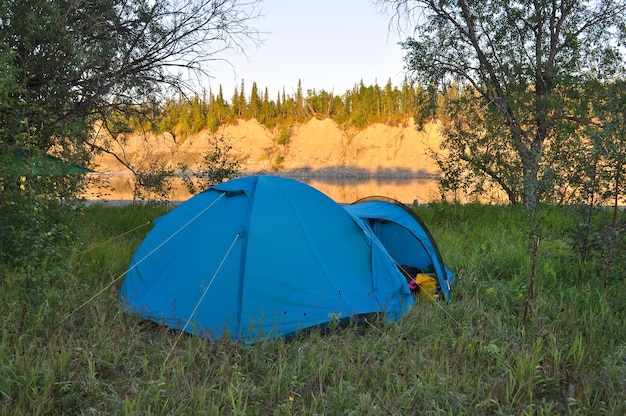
71, 354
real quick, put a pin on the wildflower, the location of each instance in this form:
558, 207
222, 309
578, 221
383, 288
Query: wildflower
291, 399
520, 295
489, 290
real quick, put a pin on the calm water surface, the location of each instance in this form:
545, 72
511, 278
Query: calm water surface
342, 190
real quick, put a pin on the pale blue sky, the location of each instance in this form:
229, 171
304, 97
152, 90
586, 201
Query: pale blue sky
328, 44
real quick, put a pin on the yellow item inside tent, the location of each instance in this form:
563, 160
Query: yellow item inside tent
428, 287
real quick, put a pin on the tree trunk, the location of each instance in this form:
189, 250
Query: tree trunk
530, 163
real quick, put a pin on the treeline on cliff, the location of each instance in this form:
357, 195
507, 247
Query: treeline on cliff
183, 116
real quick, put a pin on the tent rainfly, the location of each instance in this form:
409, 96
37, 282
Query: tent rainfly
261, 257
405, 237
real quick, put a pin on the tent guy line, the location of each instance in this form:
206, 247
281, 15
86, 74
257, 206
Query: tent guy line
137, 264
195, 310
95, 246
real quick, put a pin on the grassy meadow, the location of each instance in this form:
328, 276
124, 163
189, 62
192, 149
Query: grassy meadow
66, 348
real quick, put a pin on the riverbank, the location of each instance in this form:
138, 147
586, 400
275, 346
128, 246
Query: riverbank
315, 148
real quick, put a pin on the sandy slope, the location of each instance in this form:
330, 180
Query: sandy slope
318, 146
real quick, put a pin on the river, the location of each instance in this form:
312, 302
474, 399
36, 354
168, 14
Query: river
340, 189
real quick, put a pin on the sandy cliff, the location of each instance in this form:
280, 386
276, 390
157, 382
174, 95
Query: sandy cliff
318, 147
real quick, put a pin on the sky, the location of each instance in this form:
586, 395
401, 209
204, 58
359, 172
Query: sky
329, 45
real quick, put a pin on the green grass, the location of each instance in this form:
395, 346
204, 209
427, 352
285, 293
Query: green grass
471, 356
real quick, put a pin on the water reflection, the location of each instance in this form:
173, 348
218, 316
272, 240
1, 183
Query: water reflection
340, 189
403, 189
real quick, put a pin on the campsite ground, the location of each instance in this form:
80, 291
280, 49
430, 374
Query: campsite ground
70, 349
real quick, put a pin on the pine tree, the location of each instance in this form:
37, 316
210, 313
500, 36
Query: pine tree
254, 107
299, 101
242, 101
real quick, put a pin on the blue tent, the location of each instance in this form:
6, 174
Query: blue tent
404, 236
260, 256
